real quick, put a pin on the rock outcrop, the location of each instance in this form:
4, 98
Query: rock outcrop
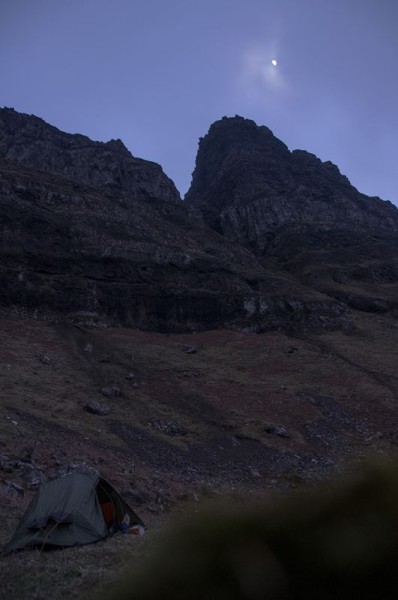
109, 167
267, 238
91, 235
248, 185
298, 212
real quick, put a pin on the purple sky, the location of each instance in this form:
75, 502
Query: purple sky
157, 73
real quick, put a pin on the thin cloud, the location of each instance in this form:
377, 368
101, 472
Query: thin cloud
259, 76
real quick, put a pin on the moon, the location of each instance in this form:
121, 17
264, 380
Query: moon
274, 62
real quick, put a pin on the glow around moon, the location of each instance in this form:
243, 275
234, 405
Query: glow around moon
261, 73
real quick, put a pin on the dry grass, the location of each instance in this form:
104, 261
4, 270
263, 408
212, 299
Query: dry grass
335, 394
68, 573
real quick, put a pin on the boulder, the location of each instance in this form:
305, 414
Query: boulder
96, 408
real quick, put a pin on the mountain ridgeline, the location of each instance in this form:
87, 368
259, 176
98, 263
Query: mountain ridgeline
265, 239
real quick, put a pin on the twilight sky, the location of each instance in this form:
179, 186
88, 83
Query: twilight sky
157, 73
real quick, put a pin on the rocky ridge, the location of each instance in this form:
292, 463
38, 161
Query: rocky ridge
92, 235
107, 166
298, 213
248, 185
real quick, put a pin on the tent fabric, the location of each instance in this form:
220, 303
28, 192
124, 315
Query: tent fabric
68, 512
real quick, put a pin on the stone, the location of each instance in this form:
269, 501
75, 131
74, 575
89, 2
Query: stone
18, 488
255, 473
163, 500
111, 391
189, 350
96, 408
9, 488
6, 464
170, 428
33, 476
276, 430
292, 349
44, 359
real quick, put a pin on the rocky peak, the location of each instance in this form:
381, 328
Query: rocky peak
241, 134
248, 184
226, 155
109, 166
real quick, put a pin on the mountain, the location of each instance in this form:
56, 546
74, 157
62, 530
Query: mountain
29, 141
297, 213
249, 186
127, 318
91, 234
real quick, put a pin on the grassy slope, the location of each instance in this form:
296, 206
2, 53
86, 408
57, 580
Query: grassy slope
334, 394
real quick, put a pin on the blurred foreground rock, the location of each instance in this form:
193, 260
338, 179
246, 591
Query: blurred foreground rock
333, 542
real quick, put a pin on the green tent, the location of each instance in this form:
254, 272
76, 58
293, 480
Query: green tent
73, 510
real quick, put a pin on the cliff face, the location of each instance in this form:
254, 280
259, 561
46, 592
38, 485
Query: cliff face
248, 185
90, 234
298, 213
31, 142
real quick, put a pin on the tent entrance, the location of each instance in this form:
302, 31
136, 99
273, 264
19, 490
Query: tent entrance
116, 512
107, 506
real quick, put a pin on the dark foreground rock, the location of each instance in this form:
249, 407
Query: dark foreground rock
337, 542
